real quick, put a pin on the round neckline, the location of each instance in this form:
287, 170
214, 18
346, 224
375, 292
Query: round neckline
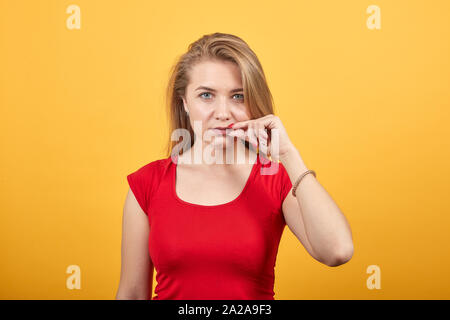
246, 186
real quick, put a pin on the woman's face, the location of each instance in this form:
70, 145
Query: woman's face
215, 98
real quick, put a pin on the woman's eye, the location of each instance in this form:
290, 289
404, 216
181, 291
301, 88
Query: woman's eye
208, 93
201, 95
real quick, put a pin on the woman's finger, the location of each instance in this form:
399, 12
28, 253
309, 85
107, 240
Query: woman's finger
263, 150
240, 134
244, 135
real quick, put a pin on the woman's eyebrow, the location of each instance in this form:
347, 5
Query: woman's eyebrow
210, 89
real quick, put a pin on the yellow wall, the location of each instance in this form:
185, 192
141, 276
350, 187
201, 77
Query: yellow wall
367, 109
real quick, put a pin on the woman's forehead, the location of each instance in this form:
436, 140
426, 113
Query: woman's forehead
216, 76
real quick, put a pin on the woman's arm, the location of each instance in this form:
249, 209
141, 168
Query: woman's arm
136, 275
314, 217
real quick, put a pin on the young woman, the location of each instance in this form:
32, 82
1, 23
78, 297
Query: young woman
211, 229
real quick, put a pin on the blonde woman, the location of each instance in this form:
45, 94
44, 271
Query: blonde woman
211, 229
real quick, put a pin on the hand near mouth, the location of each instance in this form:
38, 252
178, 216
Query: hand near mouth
242, 134
259, 132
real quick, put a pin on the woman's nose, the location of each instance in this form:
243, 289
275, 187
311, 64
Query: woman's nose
223, 110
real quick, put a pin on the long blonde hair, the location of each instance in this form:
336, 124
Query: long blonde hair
216, 46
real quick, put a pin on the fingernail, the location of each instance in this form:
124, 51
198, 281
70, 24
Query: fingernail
230, 125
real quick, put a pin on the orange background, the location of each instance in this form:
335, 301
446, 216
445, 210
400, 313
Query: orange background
367, 109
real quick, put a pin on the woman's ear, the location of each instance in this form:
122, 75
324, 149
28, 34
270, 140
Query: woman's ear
185, 105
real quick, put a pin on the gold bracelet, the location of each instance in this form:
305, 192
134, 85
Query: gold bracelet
300, 179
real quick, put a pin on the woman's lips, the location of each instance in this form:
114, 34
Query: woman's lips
221, 131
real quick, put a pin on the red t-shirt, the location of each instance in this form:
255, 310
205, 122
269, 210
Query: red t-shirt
224, 251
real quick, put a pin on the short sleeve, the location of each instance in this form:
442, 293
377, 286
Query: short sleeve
141, 183
285, 181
